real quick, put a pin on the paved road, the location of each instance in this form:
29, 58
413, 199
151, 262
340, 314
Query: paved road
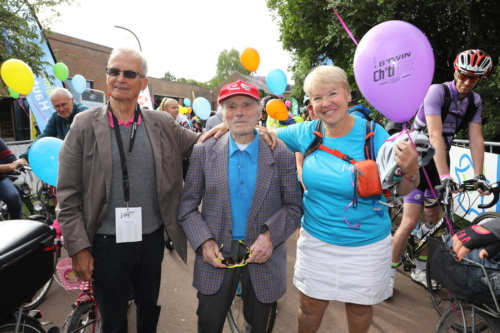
410, 310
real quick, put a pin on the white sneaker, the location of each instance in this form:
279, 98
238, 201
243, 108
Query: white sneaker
421, 279
392, 281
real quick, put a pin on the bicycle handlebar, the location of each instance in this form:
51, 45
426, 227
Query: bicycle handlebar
469, 185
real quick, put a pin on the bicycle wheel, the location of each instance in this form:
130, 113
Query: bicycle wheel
87, 317
39, 296
42, 292
28, 208
475, 321
28, 325
480, 219
440, 297
235, 317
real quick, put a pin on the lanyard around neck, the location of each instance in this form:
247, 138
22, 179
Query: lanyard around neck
123, 159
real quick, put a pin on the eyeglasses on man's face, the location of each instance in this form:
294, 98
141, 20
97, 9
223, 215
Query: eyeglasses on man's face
128, 74
465, 77
58, 106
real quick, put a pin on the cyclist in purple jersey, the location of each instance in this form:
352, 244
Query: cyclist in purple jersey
446, 109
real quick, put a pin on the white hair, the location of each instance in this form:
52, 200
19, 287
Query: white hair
59, 92
127, 49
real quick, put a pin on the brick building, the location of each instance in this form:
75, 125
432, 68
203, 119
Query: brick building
90, 60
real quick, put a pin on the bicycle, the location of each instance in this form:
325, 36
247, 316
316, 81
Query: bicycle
85, 316
235, 317
440, 297
474, 305
26, 247
24, 191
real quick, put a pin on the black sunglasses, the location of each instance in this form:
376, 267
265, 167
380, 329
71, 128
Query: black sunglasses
127, 74
231, 263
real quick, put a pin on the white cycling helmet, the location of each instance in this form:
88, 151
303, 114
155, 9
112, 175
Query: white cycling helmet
389, 171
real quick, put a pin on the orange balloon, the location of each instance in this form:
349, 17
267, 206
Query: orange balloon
250, 59
276, 109
189, 110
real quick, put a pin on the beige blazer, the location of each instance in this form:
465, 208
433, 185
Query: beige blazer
84, 178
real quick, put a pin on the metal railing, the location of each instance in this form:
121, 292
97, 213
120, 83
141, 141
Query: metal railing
465, 144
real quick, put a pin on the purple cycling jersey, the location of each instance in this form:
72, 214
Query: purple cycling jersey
434, 101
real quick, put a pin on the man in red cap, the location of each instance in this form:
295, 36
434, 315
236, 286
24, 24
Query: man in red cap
251, 205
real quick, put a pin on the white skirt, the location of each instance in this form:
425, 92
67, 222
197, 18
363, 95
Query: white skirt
357, 275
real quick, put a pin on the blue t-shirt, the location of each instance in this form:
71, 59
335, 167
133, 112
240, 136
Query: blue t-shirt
328, 180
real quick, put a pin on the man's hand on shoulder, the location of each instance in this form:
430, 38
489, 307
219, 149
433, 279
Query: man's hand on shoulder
215, 132
211, 252
83, 265
262, 249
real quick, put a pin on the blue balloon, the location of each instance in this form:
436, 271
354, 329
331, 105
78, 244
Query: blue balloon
202, 108
79, 83
44, 159
187, 102
276, 81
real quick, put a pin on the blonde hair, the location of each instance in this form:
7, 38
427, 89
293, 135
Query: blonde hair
164, 103
324, 77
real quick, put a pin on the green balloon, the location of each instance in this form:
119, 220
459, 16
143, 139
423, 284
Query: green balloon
61, 71
13, 94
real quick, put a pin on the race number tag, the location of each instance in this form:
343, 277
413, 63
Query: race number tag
128, 224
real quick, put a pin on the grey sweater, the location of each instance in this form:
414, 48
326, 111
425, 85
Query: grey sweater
142, 180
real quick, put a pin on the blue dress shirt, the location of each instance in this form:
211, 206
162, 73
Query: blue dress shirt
242, 175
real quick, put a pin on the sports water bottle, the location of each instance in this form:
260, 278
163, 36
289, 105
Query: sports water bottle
416, 229
425, 228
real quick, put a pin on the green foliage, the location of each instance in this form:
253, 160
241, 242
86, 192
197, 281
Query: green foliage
227, 63
18, 27
169, 77
311, 32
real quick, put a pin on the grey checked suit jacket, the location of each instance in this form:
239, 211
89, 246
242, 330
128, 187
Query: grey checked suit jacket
277, 203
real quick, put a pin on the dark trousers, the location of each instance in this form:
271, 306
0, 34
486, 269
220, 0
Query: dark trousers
119, 268
212, 309
10, 195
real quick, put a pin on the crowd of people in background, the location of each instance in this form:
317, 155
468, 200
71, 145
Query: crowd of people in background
198, 125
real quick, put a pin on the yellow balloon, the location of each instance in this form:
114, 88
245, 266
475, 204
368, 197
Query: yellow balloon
276, 109
250, 59
18, 76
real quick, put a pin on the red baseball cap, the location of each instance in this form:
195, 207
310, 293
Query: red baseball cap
238, 88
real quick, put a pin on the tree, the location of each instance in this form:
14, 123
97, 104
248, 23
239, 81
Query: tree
169, 77
18, 27
227, 64
311, 32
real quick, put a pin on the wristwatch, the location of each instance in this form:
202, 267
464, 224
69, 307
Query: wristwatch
412, 178
480, 177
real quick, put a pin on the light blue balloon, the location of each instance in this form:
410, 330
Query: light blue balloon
79, 83
187, 102
202, 108
276, 81
44, 159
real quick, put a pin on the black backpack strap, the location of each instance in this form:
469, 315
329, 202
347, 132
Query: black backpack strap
469, 113
447, 102
317, 140
367, 116
368, 139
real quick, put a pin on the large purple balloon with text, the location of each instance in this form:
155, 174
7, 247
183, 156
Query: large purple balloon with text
393, 67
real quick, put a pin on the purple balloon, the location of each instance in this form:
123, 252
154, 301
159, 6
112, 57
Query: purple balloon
393, 67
